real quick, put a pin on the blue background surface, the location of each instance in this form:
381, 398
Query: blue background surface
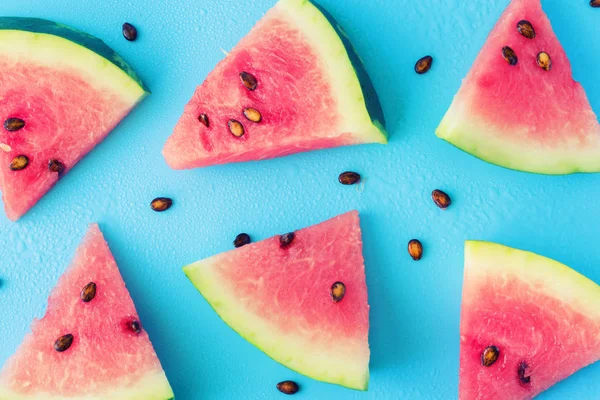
415, 305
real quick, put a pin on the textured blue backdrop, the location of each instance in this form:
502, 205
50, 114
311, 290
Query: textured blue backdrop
415, 306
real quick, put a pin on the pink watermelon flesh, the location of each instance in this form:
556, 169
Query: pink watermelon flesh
521, 116
294, 94
107, 358
512, 300
280, 300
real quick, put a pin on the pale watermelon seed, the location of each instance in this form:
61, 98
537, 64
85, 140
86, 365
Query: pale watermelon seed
56, 166
521, 372
544, 61
88, 292
248, 80
415, 249
63, 343
236, 128
338, 291
241, 240
525, 28
19, 163
489, 356
252, 114
6, 148
204, 119
509, 55
286, 240
14, 124
288, 387
423, 65
135, 326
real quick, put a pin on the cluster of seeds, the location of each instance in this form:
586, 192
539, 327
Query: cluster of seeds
491, 354
543, 59
87, 294
443, 201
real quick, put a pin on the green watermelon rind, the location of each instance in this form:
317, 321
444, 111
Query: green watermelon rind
43, 38
552, 277
264, 336
352, 86
152, 387
467, 133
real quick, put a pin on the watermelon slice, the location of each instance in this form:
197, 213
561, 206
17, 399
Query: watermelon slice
523, 116
110, 355
293, 84
532, 321
284, 299
69, 89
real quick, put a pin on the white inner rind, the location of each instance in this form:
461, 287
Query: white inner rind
331, 361
341, 74
58, 53
154, 386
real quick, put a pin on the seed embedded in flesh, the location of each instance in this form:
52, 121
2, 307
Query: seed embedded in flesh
88, 292
19, 163
63, 343
423, 65
252, 114
526, 29
129, 32
56, 166
135, 326
14, 124
415, 249
521, 372
5, 148
349, 178
489, 356
338, 291
544, 61
509, 55
288, 387
204, 119
241, 240
161, 204
441, 199
595, 3
248, 80
236, 128
286, 240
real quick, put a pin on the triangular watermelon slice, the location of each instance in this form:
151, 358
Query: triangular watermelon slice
524, 116
304, 303
293, 84
110, 356
61, 92
527, 322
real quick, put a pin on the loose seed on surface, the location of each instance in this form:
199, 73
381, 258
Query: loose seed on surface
286, 240
14, 124
521, 372
63, 343
248, 80
88, 292
489, 356
135, 326
19, 163
423, 65
56, 166
236, 128
415, 249
441, 199
544, 61
288, 387
349, 178
526, 29
5, 148
204, 119
129, 32
509, 55
252, 114
161, 204
595, 3
241, 240
338, 291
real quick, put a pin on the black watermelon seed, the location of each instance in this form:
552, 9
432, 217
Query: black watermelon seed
489, 356
63, 343
595, 3
349, 178
161, 204
423, 65
88, 292
129, 32
526, 29
135, 326
338, 291
441, 199
241, 240
509, 55
19, 163
286, 240
248, 80
415, 249
521, 373
204, 119
56, 166
288, 387
14, 124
